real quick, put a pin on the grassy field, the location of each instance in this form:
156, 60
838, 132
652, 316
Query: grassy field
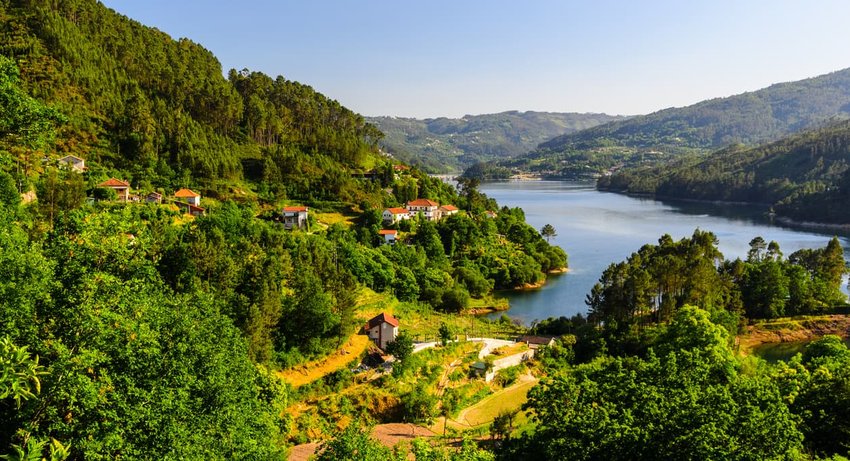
485, 411
329, 219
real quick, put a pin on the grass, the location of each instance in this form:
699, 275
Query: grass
329, 219
506, 351
508, 399
485, 411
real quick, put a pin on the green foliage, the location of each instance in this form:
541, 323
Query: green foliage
548, 231
19, 373
686, 403
401, 348
801, 176
653, 283
33, 449
445, 334
354, 444
24, 120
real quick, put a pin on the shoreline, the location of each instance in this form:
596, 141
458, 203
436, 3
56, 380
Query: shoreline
780, 219
792, 330
527, 287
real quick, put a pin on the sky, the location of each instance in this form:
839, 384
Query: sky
433, 58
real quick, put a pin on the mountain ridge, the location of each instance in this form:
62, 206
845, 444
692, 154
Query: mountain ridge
442, 143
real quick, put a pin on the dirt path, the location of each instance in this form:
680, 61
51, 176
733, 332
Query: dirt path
388, 434
309, 372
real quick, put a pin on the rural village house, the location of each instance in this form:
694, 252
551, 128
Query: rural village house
428, 208
389, 235
383, 329
295, 217
448, 210
394, 215
120, 187
74, 163
189, 196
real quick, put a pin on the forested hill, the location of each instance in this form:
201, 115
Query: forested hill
805, 176
162, 111
448, 144
749, 118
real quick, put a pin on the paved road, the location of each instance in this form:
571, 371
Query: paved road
489, 345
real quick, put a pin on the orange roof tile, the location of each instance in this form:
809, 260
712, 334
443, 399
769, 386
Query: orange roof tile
186, 193
422, 202
449, 208
294, 209
387, 232
381, 318
112, 182
397, 210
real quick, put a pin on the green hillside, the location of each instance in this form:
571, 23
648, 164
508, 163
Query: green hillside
447, 144
161, 110
130, 329
750, 118
804, 176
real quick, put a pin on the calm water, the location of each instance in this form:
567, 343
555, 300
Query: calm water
775, 352
599, 228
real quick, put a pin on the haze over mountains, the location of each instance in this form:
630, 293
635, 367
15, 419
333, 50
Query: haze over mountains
450, 144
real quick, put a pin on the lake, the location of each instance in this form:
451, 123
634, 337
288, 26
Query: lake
599, 228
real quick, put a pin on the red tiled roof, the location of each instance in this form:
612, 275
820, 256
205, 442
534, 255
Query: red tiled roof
448, 208
294, 209
422, 202
397, 210
112, 182
381, 318
387, 232
186, 193
189, 206
400, 167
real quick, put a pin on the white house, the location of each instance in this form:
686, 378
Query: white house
448, 210
389, 235
428, 208
383, 329
189, 196
394, 215
295, 217
73, 162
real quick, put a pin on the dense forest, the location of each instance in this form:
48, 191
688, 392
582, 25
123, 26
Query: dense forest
133, 330
750, 118
803, 176
442, 145
649, 376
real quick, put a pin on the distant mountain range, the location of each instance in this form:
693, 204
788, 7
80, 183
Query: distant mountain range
450, 144
749, 118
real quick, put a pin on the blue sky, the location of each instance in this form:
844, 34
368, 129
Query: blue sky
433, 58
